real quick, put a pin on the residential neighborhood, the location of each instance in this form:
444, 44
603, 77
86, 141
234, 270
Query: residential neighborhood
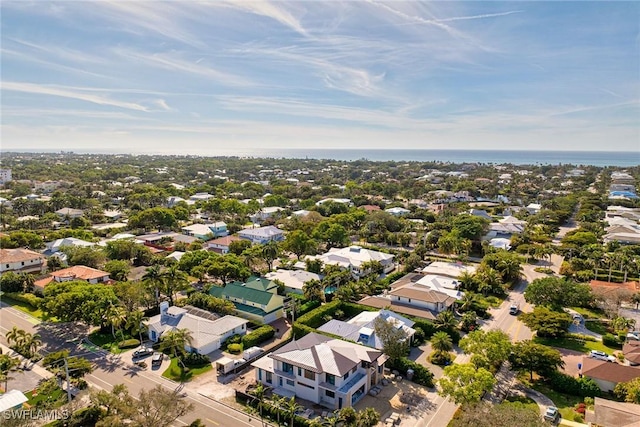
308, 292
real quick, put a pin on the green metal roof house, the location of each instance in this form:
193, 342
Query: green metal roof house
256, 299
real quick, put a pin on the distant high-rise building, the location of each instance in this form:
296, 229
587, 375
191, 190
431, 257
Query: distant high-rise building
5, 176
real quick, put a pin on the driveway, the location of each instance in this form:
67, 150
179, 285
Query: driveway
571, 360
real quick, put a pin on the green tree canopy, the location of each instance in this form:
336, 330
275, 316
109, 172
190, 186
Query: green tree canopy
528, 356
557, 293
464, 383
488, 348
546, 322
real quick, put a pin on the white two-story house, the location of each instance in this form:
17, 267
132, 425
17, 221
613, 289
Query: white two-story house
329, 372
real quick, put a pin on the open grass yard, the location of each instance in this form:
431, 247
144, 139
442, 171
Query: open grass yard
174, 371
27, 308
107, 342
55, 396
564, 402
597, 326
573, 344
521, 402
590, 313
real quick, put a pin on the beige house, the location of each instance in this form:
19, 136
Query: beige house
22, 261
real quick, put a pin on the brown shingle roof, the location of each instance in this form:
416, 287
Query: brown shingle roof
80, 272
18, 255
612, 287
608, 371
610, 413
631, 351
381, 302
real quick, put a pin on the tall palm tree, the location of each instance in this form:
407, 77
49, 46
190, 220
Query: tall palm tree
489, 280
441, 342
468, 301
258, 392
7, 364
135, 323
291, 408
278, 401
270, 252
175, 341
27, 281
313, 289
468, 281
32, 343
153, 279
117, 317
174, 280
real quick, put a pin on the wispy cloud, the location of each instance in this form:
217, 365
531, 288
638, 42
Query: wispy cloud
268, 9
38, 89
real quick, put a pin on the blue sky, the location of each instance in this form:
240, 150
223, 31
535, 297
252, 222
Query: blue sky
212, 77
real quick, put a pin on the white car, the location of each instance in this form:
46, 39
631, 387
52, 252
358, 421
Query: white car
551, 414
601, 355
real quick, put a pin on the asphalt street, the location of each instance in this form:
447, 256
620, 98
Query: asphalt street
111, 370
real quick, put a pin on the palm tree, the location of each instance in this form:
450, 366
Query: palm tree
153, 278
7, 364
489, 280
468, 281
441, 342
445, 320
258, 392
622, 323
291, 408
135, 323
32, 343
467, 302
278, 401
16, 336
116, 316
368, 418
175, 341
27, 281
174, 280
313, 289
270, 252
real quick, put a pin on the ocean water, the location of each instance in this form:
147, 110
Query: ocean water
594, 158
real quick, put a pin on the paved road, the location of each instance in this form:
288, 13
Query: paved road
111, 370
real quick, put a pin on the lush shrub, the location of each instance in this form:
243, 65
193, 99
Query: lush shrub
258, 336
314, 318
196, 360
582, 337
567, 384
307, 307
130, 343
31, 299
234, 348
611, 340
427, 327
441, 358
418, 337
421, 374
233, 339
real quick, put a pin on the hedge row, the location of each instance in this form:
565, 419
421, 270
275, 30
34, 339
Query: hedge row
130, 343
31, 299
582, 337
563, 383
307, 307
421, 374
258, 336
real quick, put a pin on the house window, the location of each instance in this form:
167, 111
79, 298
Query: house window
309, 375
286, 367
354, 369
299, 372
346, 375
22, 262
329, 393
269, 377
280, 381
291, 383
409, 299
398, 298
331, 379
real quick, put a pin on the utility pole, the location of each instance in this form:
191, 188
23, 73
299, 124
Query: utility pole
66, 370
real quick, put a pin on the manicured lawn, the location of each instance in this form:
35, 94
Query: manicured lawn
174, 371
596, 326
27, 308
564, 402
33, 400
522, 402
590, 313
107, 342
571, 344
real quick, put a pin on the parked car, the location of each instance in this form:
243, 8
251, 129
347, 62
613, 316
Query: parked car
142, 352
601, 355
551, 414
156, 360
634, 335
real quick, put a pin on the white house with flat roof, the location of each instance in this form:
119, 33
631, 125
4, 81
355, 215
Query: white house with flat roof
294, 280
449, 269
